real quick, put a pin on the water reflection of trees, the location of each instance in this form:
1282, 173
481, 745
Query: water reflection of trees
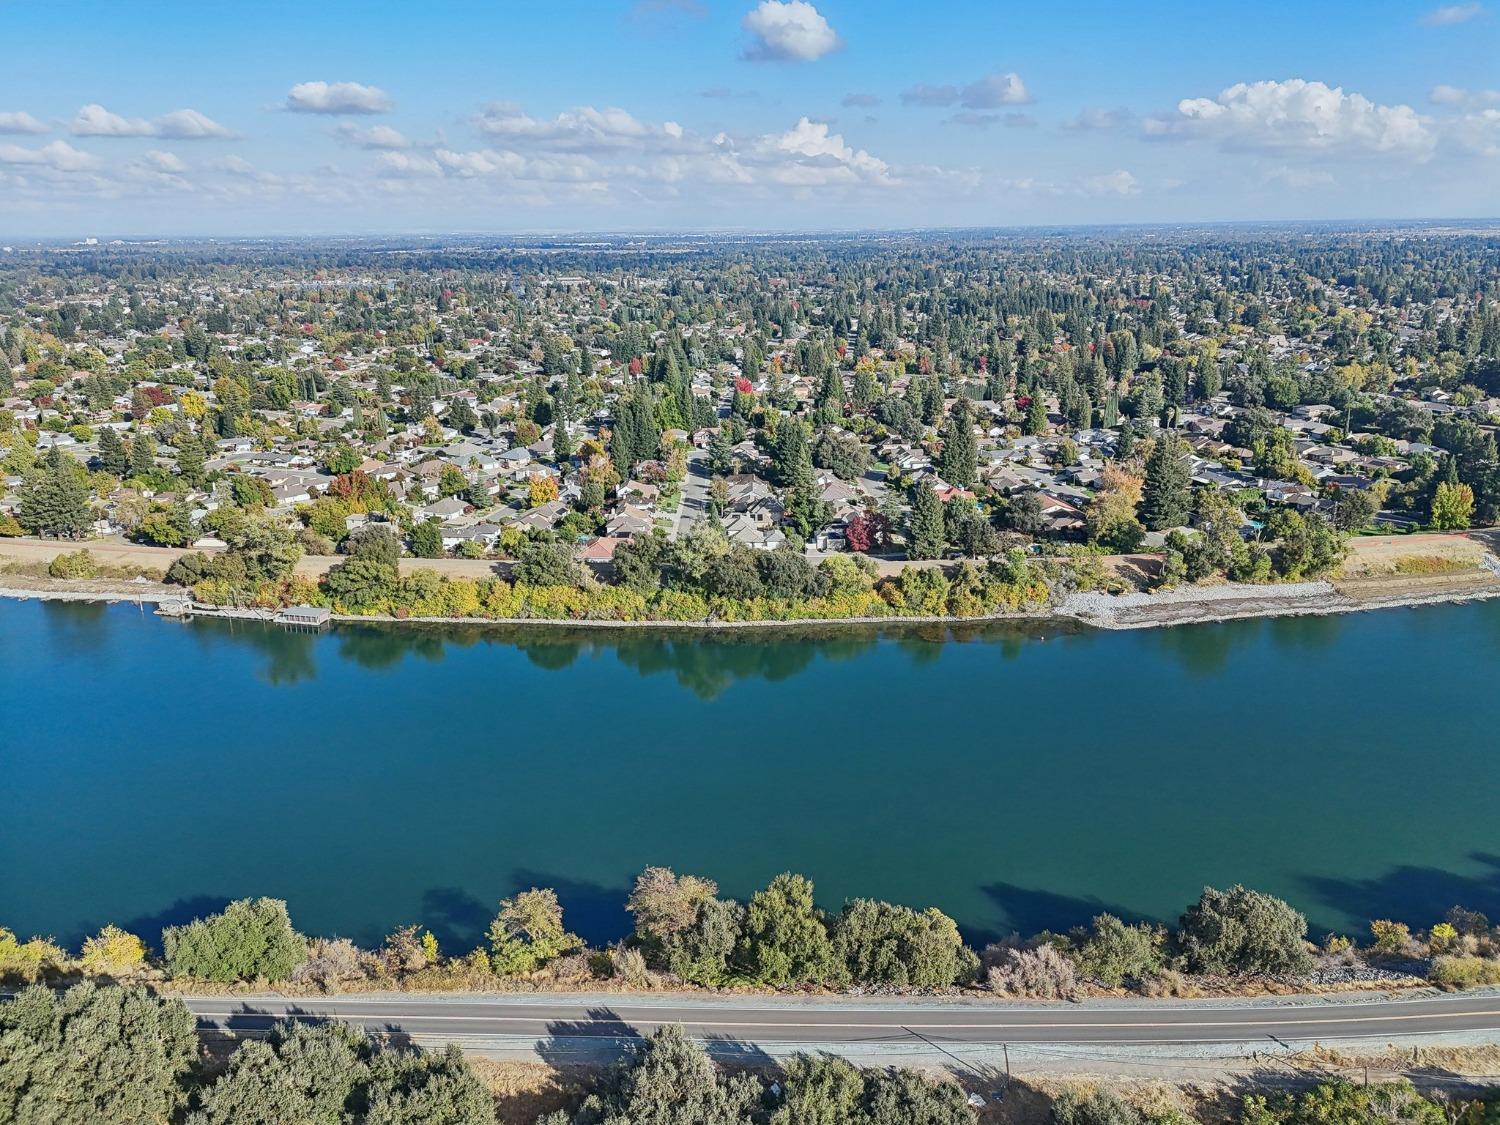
705, 663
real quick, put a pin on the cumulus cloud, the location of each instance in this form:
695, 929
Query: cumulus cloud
860, 101
788, 31
93, 120
164, 161
409, 164
1450, 14
817, 155
58, 156
375, 137
989, 92
337, 98
1300, 116
1119, 182
1457, 95
584, 129
19, 121
190, 125
600, 151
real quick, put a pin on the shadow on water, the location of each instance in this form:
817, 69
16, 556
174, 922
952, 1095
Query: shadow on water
456, 918
148, 927
1424, 893
594, 912
1028, 911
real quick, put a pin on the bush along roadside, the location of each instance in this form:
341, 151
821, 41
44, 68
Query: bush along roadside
684, 935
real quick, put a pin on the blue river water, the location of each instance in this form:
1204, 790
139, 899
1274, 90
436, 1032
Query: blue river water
1018, 779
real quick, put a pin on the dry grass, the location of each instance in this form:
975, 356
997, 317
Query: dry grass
526, 1090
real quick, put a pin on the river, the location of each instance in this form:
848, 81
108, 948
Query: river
1017, 778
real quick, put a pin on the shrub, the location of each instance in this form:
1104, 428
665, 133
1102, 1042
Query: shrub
786, 941
628, 965
1391, 938
1441, 938
1110, 951
252, 938
113, 952
879, 943
74, 564
1461, 971
27, 960
701, 953
330, 961
1100, 1107
1240, 931
1043, 973
528, 932
94, 1054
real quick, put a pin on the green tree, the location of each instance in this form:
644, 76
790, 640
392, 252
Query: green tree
252, 938
1111, 951
1240, 931
1452, 506
112, 458
926, 536
1166, 499
528, 932
786, 940
426, 539
883, 944
671, 1081
54, 498
958, 464
94, 1053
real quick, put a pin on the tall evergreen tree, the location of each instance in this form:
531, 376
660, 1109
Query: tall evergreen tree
112, 457
925, 538
1166, 499
960, 460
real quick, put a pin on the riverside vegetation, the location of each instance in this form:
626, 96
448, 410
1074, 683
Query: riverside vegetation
684, 935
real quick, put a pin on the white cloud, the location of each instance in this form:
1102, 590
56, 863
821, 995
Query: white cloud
1479, 132
815, 155
190, 125
860, 101
93, 120
788, 31
1119, 182
20, 122
376, 137
56, 155
584, 129
337, 98
1457, 95
989, 92
1450, 14
1301, 116
164, 162
409, 164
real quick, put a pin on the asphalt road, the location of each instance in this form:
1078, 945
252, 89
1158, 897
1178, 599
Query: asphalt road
585, 1028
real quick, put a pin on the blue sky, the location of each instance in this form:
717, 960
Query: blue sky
166, 117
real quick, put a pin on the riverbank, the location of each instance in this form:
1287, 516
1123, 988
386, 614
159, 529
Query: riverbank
1191, 605
1382, 572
